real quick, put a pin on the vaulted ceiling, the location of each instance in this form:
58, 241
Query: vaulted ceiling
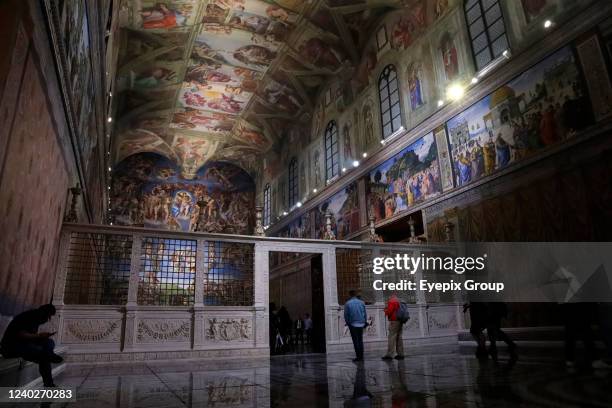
202, 80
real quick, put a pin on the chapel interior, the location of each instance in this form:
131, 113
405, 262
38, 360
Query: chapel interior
175, 174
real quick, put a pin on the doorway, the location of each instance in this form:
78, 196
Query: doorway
297, 311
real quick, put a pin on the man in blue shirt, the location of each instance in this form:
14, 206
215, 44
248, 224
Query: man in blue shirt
356, 318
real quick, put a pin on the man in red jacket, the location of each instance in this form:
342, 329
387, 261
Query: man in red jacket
395, 330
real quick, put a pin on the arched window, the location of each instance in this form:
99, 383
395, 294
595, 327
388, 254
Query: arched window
267, 208
293, 182
332, 159
486, 29
388, 91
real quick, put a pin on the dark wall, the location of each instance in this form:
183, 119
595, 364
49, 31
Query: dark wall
34, 174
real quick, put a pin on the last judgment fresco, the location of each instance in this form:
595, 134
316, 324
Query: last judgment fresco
148, 190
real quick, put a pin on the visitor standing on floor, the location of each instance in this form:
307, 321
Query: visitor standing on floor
299, 330
308, 328
397, 315
22, 339
355, 317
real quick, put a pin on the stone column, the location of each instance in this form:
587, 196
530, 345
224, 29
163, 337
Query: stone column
198, 306
259, 229
262, 295
330, 296
421, 302
329, 232
132, 301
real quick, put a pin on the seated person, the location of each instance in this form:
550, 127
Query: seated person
21, 339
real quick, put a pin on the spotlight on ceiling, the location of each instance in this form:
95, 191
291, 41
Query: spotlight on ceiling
440, 103
314, 190
455, 92
284, 212
355, 163
474, 80
298, 205
110, 119
364, 155
110, 169
382, 142
548, 24
344, 169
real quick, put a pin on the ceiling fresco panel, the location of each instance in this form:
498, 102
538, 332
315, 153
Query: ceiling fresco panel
201, 80
161, 15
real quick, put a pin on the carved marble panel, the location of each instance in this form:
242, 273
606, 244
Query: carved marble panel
232, 329
91, 331
441, 320
163, 330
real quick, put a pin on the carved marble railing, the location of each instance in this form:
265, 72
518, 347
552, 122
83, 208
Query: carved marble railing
102, 318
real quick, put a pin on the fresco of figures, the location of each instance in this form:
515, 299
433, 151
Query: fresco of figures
543, 106
168, 272
300, 228
410, 177
344, 208
148, 190
161, 15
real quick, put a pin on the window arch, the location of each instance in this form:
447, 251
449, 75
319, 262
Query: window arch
293, 182
486, 29
332, 159
267, 208
388, 91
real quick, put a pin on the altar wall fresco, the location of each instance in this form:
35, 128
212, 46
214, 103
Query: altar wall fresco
149, 190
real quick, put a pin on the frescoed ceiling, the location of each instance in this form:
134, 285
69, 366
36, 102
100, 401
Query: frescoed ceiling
201, 80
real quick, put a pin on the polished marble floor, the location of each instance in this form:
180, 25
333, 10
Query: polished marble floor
428, 377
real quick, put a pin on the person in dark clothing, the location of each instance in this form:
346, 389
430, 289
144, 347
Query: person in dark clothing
496, 311
578, 318
299, 330
478, 317
285, 324
274, 328
22, 339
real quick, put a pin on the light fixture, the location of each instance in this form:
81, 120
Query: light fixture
344, 169
314, 190
364, 155
474, 80
111, 223
284, 212
110, 94
355, 163
298, 205
110, 119
455, 92
506, 54
382, 142
110, 169
440, 103
548, 24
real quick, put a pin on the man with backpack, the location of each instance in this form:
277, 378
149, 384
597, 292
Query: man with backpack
397, 314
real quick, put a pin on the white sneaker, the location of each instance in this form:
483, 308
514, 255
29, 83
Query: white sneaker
600, 364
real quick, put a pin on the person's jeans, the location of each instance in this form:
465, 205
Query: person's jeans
37, 351
395, 341
357, 337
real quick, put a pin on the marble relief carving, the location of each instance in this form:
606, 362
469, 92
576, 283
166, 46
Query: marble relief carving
232, 329
163, 330
93, 330
442, 321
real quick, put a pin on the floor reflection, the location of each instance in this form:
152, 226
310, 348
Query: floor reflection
440, 377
